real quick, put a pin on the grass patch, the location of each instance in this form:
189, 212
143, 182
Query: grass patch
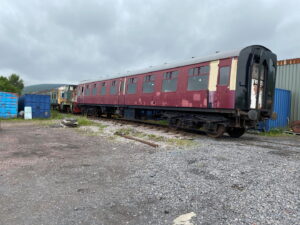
181, 142
129, 131
55, 115
18, 120
88, 128
83, 121
13, 120
155, 138
160, 122
274, 133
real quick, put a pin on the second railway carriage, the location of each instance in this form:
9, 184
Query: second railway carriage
225, 92
63, 98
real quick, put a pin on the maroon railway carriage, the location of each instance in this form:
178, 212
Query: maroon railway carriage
225, 92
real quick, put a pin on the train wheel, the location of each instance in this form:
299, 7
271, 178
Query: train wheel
236, 132
218, 133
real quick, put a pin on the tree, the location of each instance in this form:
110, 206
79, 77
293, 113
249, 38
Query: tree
15, 80
11, 84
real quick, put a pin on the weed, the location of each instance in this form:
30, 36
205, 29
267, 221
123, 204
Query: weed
83, 121
180, 142
155, 137
124, 131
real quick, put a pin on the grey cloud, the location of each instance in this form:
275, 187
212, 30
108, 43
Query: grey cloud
69, 41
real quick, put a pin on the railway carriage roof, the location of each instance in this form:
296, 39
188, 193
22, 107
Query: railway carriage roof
216, 56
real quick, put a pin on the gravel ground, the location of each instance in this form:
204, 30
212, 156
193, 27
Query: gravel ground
63, 176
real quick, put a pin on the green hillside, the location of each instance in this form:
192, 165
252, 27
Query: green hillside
40, 87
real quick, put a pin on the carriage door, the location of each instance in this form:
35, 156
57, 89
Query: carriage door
121, 96
257, 85
224, 97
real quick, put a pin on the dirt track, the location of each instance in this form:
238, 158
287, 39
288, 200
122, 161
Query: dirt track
60, 176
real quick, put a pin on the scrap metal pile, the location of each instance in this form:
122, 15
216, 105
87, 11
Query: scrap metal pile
296, 126
69, 122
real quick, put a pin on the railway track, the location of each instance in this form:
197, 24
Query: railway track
151, 125
187, 132
257, 142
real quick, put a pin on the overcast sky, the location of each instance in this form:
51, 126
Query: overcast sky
67, 41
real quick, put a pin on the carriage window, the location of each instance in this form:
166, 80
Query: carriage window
202, 70
170, 81
113, 87
103, 89
131, 87
198, 78
148, 85
87, 91
196, 83
94, 92
171, 75
196, 71
122, 87
224, 75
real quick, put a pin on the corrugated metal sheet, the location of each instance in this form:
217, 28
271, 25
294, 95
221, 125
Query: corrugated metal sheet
40, 105
8, 105
282, 106
288, 77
